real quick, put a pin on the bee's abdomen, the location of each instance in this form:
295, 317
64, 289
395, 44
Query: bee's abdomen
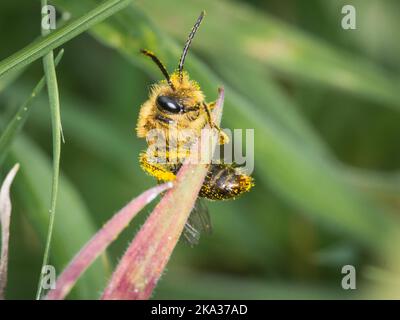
225, 181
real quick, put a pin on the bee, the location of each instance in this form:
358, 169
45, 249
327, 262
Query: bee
174, 105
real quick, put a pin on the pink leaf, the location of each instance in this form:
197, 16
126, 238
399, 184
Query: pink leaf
143, 263
5, 215
100, 241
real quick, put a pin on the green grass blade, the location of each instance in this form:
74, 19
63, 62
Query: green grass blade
41, 47
54, 104
17, 122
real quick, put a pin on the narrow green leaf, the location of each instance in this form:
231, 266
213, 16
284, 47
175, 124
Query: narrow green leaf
41, 47
17, 122
54, 104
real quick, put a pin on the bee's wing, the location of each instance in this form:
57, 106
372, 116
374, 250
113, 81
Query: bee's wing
199, 221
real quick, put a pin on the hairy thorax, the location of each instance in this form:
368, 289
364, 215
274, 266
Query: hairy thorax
176, 130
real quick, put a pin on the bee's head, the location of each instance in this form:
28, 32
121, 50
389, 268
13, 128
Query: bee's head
185, 97
179, 94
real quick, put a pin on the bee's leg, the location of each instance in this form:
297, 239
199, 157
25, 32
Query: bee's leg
157, 170
223, 138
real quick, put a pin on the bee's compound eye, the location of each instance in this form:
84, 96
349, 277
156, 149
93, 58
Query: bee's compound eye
168, 104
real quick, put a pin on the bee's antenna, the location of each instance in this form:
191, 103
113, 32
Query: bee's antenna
188, 42
159, 64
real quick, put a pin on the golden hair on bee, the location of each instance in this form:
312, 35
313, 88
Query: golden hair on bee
176, 104
177, 100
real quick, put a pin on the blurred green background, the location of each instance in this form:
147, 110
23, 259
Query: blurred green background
324, 103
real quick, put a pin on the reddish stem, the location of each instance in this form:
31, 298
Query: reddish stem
100, 241
144, 262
